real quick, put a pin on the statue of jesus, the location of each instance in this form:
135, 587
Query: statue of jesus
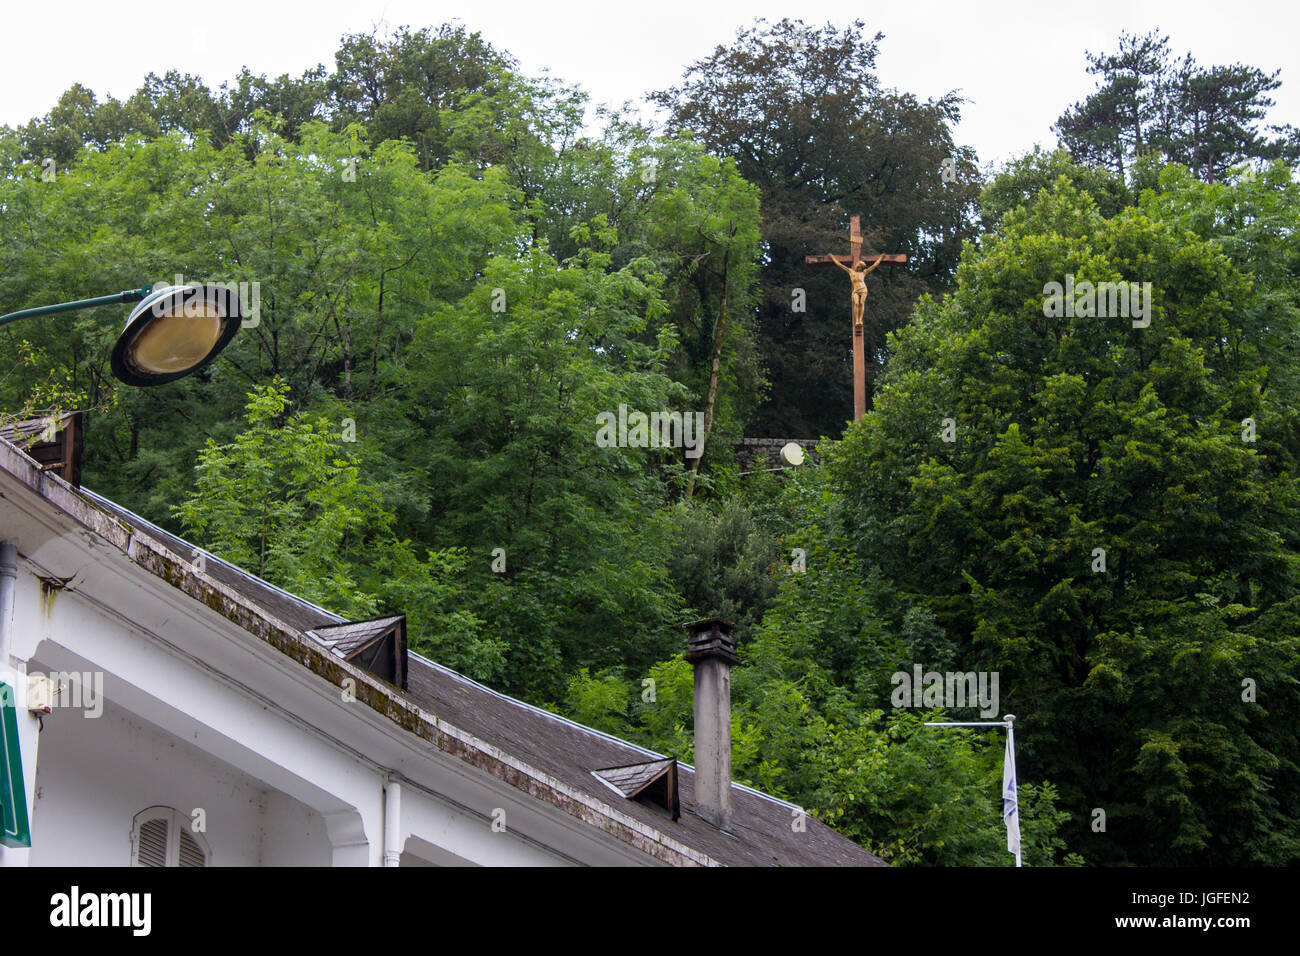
857, 275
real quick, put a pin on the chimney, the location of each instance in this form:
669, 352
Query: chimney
711, 651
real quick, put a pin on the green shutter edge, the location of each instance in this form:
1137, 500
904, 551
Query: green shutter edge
13, 786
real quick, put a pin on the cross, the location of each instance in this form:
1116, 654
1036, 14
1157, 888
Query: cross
859, 348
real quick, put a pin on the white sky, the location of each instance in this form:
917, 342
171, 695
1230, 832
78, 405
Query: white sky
1020, 62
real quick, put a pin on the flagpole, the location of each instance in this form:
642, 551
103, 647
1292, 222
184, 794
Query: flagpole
1011, 749
1008, 721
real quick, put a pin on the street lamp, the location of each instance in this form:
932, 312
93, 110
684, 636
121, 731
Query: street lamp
173, 330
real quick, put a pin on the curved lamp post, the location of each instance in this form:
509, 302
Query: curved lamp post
173, 330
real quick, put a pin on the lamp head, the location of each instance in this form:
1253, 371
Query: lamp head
176, 330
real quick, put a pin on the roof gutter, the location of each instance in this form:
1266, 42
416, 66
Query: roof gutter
392, 822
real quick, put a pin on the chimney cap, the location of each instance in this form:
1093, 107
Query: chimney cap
707, 623
711, 638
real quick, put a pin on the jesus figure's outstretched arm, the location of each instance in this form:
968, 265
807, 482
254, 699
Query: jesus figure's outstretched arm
879, 259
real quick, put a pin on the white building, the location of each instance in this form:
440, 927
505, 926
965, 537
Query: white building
200, 716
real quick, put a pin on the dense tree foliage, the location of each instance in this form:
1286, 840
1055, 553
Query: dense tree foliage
1165, 446
805, 118
1206, 118
456, 277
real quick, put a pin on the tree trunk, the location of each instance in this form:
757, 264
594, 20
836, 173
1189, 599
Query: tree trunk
713, 376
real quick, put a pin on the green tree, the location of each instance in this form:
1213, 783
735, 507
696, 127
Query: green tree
1020, 182
504, 387
285, 501
725, 564
1206, 118
1080, 434
1119, 121
803, 115
706, 219
421, 86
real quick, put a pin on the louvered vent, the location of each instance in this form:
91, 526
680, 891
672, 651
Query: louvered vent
653, 782
378, 646
191, 852
152, 845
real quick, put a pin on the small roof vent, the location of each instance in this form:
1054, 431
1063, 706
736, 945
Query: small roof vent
377, 646
653, 782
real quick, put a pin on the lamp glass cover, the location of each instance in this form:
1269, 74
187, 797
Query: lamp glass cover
177, 340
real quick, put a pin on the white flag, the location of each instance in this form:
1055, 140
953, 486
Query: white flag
1010, 805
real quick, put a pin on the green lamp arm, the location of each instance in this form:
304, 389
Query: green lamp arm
117, 298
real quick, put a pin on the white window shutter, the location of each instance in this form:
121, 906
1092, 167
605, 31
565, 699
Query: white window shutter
191, 854
160, 836
151, 843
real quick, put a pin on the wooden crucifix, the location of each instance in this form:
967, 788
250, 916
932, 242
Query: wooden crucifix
857, 270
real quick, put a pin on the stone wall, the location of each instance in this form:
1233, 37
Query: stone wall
759, 453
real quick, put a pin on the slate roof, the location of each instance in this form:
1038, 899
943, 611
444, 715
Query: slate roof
634, 778
763, 827
346, 639
21, 430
